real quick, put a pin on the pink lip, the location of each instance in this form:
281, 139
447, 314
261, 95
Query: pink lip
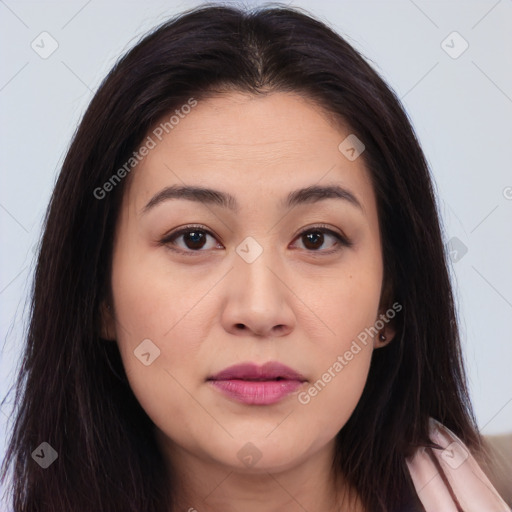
257, 385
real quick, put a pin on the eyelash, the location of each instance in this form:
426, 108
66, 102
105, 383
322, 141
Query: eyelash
168, 240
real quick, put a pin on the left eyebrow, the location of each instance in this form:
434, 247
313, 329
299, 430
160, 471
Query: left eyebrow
316, 193
307, 195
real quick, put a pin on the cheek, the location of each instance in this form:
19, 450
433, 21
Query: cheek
155, 300
346, 303
154, 304
164, 387
341, 353
332, 395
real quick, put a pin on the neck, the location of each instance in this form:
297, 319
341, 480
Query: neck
205, 486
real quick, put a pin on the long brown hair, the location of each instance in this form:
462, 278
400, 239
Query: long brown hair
72, 391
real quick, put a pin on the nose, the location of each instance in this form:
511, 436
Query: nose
258, 299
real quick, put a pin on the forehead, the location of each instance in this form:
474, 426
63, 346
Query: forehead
248, 145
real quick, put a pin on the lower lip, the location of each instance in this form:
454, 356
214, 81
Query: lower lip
256, 392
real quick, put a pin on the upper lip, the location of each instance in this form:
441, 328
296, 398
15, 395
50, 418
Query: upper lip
251, 371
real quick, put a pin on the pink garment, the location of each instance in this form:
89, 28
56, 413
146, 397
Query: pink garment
469, 484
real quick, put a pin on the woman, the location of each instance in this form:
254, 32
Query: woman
241, 300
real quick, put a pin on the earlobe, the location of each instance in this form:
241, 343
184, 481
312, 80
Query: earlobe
107, 328
385, 336
387, 332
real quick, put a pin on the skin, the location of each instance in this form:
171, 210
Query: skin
208, 310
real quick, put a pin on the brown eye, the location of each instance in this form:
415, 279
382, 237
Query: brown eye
313, 240
193, 239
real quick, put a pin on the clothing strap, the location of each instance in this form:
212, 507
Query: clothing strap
448, 479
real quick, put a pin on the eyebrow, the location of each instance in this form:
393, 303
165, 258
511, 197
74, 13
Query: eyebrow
307, 195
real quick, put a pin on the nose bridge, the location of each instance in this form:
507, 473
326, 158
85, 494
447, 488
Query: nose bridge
257, 299
256, 265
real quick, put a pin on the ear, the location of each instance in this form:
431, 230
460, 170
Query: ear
385, 335
107, 327
384, 322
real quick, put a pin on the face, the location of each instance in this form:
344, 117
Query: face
251, 274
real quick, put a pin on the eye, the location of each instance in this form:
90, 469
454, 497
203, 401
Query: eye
194, 239
314, 238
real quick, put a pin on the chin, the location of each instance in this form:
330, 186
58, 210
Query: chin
261, 454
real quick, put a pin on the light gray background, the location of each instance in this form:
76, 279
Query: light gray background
460, 107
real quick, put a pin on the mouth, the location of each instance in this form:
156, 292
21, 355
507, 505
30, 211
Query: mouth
257, 385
